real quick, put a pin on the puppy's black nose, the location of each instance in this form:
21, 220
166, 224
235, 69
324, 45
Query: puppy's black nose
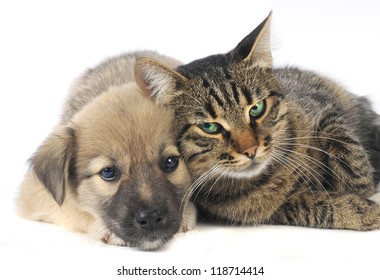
149, 219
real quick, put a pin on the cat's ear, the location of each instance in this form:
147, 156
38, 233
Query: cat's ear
156, 80
255, 48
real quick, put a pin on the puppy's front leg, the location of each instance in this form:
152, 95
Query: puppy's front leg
111, 239
99, 231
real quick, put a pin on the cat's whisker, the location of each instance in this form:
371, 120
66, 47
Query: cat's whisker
186, 106
316, 137
301, 164
281, 159
284, 160
192, 97
310, 132
198, 184
184, 114
322, 136
215, 181
320, 164
307, 146
190, 110
198, 188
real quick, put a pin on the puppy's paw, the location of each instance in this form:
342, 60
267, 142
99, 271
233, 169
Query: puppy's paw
376, 197
111, 239
189, 218
100, 231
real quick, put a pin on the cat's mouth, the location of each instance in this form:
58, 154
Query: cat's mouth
247, 170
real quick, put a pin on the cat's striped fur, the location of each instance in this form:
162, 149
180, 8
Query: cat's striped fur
264, 145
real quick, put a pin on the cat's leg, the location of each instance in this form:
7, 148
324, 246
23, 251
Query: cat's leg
323, 210
348, 161
351, 177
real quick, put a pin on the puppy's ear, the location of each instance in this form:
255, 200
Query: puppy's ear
53, 162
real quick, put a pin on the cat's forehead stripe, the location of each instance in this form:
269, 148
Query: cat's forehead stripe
247, 94
235, 93
205, 83
226, 95
227, 75
216, 97
210, 110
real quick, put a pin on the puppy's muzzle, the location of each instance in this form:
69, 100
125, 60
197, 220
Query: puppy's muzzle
150, 219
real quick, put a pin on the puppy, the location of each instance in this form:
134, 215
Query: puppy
111, 167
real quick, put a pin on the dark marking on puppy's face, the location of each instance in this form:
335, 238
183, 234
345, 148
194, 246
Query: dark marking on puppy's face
147, 214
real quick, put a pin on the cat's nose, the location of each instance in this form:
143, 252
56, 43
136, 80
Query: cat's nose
250, 152
246, 143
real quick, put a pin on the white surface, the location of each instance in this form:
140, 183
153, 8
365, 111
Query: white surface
46, 44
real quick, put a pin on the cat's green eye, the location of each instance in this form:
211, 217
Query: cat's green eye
258, 109
211, 128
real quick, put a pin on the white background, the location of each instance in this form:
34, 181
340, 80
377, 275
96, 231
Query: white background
44, 45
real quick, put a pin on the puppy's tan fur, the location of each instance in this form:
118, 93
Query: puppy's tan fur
102, 127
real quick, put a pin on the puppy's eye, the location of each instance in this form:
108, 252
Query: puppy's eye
109, 174
170, 164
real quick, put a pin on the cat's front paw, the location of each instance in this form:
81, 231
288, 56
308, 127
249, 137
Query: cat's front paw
361, 214
371, 218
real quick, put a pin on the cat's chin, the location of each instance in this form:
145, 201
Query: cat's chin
255, 169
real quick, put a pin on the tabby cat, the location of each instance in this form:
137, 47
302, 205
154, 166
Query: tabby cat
271, 146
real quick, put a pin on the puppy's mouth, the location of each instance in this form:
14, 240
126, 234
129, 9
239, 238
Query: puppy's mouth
148, 242
147, 239
148, 245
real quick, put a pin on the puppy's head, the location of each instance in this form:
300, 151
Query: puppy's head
117, 160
